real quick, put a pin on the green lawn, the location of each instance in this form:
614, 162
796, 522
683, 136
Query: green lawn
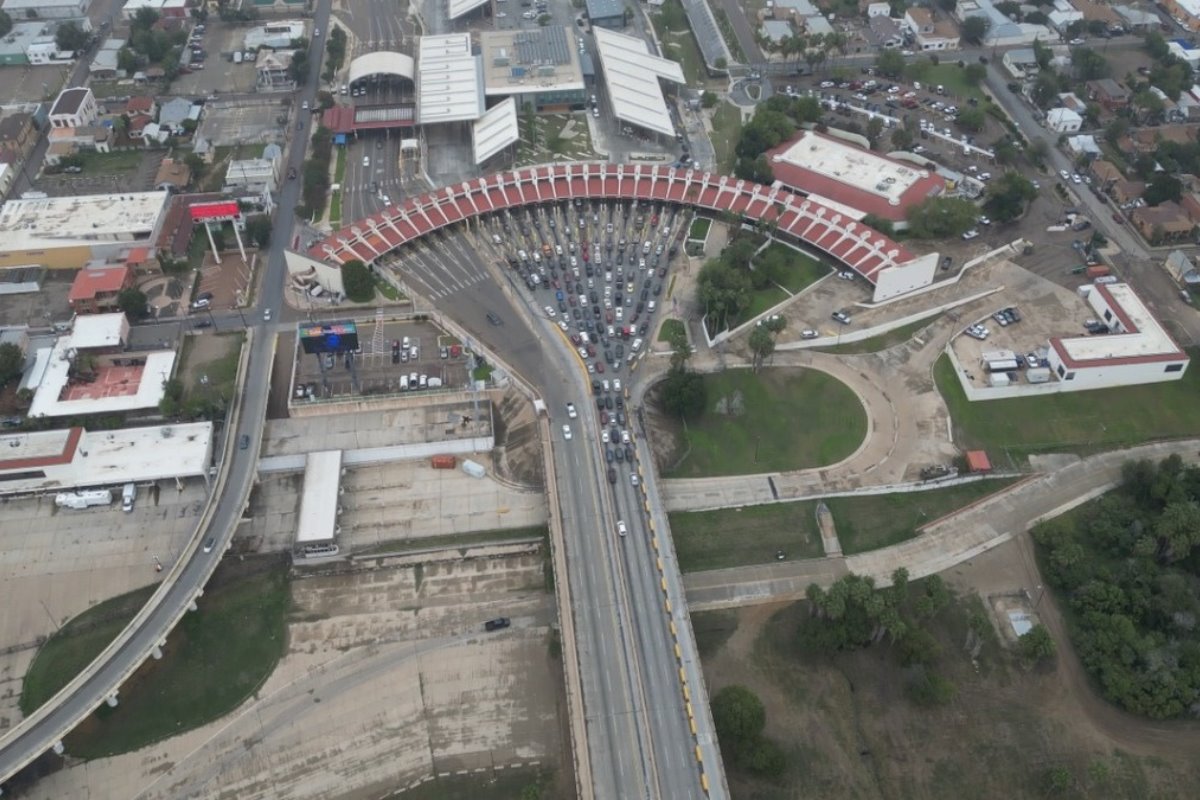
113, 163
76, 644
789, 419
953, 78
213, 661
791, 269
761, 301
726, 127
699, 229
1074, 422
875, 521
881, 342
339, 169
734, 537
681, 47
387, 290
670, 327
335, 207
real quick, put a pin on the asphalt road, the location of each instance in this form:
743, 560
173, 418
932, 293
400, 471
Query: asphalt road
39, 732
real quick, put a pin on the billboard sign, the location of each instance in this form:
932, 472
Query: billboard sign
328, 337
220, 211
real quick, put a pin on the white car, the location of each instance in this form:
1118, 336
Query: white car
616, 384
1075, 178
984, 221
809, 333
567, 432
971, 234
604, 436
551, 313
366, 161
633, 479
1066, 176
624, 437
266, 315
621, 529
571, 412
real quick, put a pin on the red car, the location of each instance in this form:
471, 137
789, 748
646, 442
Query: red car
1117, 218
591, 351
608, 316
600, 367
585, 255
575, 340
603, 417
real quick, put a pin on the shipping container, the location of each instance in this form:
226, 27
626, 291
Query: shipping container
443, 462
473, 469
998, 355
999, 379
1097, 272
1001, 366
1038, 375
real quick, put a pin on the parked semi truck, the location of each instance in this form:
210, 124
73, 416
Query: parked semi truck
85, 499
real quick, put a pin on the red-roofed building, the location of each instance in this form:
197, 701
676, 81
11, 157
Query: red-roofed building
852, 180
95, 290
977, 461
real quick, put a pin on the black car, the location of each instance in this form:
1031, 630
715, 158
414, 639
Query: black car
620, 401
244, 442
596, 387
612, 475
608, 455
496, 624
608, 402
620, 454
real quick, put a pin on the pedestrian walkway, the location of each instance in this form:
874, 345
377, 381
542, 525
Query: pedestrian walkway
943, 543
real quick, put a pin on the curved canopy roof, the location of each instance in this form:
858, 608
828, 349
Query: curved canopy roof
382, 63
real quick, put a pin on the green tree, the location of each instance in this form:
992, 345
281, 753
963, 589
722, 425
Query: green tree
974, 73
1008, 195
890, 63
684, 393
258, 230
357, 280
874, 130
172, 399
975, 28
738, 715
298, 69
1036, 645
1088, 64
127, 60
1042, 54
884, 226
1163, 186
709, 99
6, 23
1154, 44
762, 345
12, 363
132, 301
70, 38
971, 119
902, 138
941, 217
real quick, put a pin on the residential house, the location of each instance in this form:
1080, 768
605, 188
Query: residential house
17, 134
141, 105
1083, 144
74, 108
776, 31
1126, 191
68, 141
254, 175
95, 290
884, 32
173, 175
1063, 14
1071, 100
1185, 12
46, 9
1063, 120
930, 35
174, 112
1185, 51
1146, 140
1190, 203
1002, 31
104, 63
1105, 174
155, 135
1097, 11
272, 70
879, 10
1111, 95
1165, 222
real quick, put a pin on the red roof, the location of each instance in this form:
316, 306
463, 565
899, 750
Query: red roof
139, 105
806, 181
65, 457
91, 282
208, 211
977, 461
137, 255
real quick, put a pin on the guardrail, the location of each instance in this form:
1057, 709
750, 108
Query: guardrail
168, 583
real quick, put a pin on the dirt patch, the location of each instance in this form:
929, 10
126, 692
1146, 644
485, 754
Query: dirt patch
850, 730
666, 440
518, 453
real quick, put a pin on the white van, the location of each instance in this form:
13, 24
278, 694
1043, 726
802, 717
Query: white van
653, 304
128, 497
404, 383
424, 381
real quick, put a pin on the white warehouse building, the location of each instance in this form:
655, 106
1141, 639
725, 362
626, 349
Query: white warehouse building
1137, 351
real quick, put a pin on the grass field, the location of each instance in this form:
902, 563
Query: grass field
734, 537
75, 644
116, 162
699, 229
790, 419
212, 662
881, 342
681, 47
951, 77
726, 127
1076, 422
791, 269
760, 301
670, 327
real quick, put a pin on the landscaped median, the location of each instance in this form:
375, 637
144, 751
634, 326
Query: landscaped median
214, 659
738, 537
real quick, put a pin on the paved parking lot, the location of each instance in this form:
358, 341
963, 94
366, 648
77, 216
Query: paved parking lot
258, 121
56, 563
39, 309
384, 361
393, 668
219, 75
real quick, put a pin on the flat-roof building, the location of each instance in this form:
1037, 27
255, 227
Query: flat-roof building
496, 130
46, 9
1138, 350
75, 458
275, 35
851, 179
606, 14
449, 80
538, 67
319, 503
68, 232
632, 75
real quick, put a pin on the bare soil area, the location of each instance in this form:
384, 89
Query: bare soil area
518, 453
850, 730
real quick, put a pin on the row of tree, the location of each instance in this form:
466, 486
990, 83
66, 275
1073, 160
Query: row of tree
739, 717
774, 122
1127, 567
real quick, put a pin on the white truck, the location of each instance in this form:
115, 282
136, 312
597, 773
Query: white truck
84, 499
128, 497
473, 469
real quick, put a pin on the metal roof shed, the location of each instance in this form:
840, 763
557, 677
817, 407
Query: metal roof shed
632, 74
